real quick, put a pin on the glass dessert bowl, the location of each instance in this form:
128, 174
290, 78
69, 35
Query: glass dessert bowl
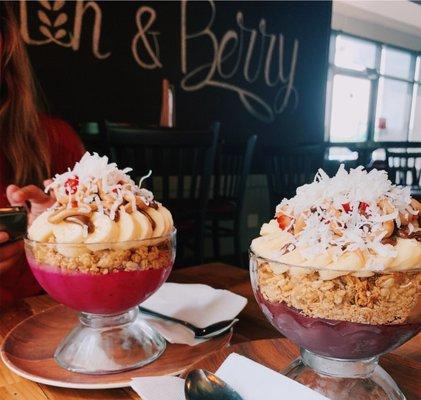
334, 353
337, 271
105, 286
103, 248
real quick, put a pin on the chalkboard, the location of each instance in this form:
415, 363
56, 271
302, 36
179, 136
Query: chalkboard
257, 67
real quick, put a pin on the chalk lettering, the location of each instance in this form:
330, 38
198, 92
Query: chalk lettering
206, 33
230, 64
63, 37
142, 35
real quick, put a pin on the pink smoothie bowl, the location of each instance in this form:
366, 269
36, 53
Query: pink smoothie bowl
338, 339
112, 292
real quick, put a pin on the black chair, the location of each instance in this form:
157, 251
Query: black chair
404, 168
182, 163
290, 167
93, 142
232, 166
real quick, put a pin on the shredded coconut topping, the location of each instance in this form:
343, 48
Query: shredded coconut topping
350, 211
93, 180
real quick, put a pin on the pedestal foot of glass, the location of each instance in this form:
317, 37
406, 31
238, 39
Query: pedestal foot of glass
344, 379
104, 344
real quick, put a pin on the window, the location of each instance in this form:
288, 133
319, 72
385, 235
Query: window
373, 92
350, 103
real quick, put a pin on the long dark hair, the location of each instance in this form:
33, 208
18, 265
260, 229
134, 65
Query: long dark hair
24, 144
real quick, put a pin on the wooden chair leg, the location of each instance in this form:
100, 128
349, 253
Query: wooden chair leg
215, 239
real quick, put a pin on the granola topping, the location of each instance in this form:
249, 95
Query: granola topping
379, 299
106, 261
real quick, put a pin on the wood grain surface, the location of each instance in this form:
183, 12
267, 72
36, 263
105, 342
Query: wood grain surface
30, 347
277, 354
252, 326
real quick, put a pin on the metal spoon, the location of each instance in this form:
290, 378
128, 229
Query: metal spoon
200, 333
203, 385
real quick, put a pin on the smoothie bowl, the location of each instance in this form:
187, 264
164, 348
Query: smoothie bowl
337, 271
107, 281
103, 248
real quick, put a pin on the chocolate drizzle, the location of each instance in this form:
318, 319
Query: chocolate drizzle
153, 204
82, 220
390, 240
149, 218
287, 248
404, 234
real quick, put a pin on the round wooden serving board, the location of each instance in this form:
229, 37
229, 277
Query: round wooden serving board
28, 351
277, 354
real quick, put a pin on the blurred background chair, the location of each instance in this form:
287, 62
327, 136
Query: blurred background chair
182, 163
225, 208
290, 167
93, 136
404, 168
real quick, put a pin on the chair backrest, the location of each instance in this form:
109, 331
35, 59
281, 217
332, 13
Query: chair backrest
181, 160
232, 166
94, 142
288, 168
404, 167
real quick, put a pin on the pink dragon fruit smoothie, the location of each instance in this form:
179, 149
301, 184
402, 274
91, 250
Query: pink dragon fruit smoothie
99, 293
339, 339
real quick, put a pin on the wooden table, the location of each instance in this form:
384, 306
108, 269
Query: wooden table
253, 325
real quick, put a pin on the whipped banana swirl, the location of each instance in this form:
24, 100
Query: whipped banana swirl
354, 221
98, 203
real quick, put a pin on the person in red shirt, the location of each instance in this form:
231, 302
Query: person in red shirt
33, 148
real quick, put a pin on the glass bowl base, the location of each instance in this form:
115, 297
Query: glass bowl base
104, 344
344, 379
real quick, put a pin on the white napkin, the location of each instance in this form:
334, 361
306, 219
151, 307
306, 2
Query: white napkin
159, 388
201, 305
251, 380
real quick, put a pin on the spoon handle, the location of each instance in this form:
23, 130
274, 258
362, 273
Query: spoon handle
166, 317
215, 329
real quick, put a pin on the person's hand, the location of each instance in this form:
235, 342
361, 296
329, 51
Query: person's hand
32, 197
35, 196
10, 253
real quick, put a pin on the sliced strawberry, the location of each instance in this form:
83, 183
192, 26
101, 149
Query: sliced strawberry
362, 207
283, 221
347, 207
71, 185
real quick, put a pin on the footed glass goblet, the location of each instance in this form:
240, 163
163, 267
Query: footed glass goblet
339, 357
105, 283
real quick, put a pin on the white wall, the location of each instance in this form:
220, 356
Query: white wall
394, 22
